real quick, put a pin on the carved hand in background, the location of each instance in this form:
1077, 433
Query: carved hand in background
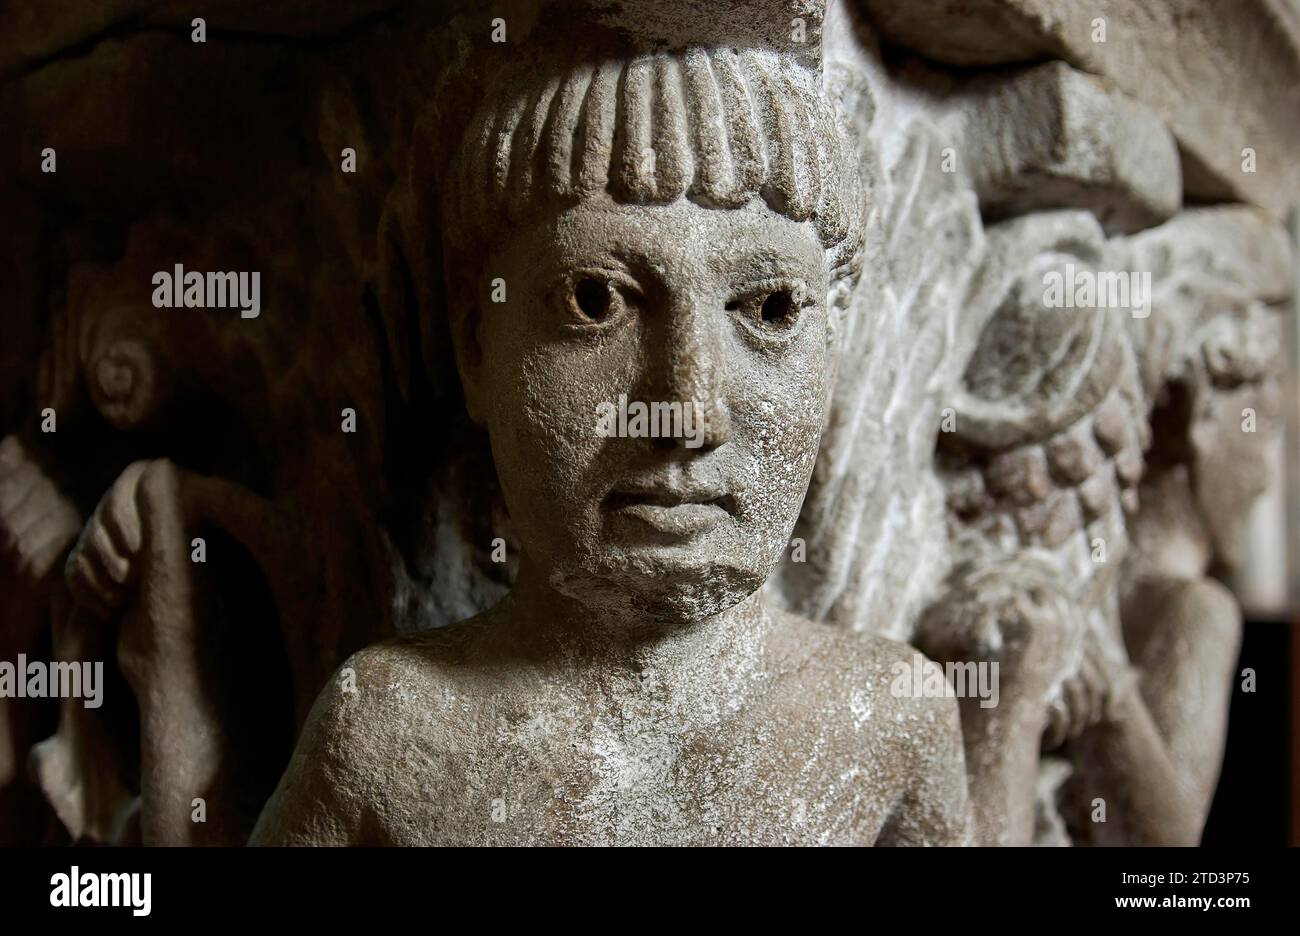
1010, 614
104, 568
1089, 694
132, 569
181, 650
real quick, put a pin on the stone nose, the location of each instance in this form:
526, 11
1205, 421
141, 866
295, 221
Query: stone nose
690, 367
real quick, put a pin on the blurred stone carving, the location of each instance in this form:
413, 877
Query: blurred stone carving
637, 667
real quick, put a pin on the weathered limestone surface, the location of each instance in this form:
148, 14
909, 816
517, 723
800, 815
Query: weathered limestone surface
983, 377
1221, 73
1087, 144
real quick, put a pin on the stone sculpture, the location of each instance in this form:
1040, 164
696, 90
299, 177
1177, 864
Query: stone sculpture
980, 376
635, 664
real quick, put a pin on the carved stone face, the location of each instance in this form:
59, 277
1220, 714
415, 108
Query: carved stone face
723, 310
1231, 467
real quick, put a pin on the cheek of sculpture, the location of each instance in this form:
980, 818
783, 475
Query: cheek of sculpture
778, 412
762, 402
542, 422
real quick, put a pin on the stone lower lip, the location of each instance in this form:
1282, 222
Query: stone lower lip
680, 519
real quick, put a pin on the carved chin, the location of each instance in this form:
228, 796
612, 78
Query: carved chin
1226, 499
639, 590
1228, 535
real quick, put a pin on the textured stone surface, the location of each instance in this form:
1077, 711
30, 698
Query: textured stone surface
840, 250
1088, 146
1222, 75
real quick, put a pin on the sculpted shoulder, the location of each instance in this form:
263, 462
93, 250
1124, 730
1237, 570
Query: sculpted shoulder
432, 691
852, 683
852, 666
853, 679
393, 720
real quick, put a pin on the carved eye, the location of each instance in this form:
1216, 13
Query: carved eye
778, 308
771, 308
594, 299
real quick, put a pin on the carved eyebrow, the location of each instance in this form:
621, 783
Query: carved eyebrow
616, 257
611, 255
766, 262
637, 266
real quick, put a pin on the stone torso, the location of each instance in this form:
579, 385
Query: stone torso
787, 750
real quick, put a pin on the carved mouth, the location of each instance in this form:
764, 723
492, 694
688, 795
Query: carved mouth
675, 511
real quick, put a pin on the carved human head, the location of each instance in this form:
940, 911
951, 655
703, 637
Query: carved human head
1232, 397
647, 256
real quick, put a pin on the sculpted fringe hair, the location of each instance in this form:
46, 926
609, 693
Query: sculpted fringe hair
720, 127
